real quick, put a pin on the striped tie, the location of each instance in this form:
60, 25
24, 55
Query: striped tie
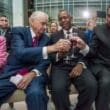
68, 34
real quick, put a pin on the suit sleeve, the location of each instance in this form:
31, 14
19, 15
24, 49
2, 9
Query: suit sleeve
42, 66
25, 53
53, 40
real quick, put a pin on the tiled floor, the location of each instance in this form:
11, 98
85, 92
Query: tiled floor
22, 105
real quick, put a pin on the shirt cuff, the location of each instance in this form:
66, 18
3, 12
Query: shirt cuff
37, 72
45, 54
85, 50
57, 59
84, 66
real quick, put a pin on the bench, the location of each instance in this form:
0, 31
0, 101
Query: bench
19, 95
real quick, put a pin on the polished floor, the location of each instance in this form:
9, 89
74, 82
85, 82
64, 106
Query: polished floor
22, 105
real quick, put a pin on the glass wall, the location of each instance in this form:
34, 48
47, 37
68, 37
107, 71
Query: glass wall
6, 9
81, 10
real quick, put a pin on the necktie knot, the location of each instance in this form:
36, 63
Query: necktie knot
68, 33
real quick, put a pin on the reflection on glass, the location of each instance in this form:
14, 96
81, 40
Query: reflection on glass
74, 34
70, 55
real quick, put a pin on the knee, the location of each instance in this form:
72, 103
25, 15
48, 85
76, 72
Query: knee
34, 93
91, 86
59, 89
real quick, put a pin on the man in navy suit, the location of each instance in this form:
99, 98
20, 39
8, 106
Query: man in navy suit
27, 62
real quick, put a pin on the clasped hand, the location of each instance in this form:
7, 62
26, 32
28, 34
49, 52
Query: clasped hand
77, 42
63, 45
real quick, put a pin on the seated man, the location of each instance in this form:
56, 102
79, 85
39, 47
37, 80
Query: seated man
28, 58
99, 53
69, 68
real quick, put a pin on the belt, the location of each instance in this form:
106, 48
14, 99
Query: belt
69, 62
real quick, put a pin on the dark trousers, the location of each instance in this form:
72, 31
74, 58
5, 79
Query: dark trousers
85, 84
102, 74
36, 97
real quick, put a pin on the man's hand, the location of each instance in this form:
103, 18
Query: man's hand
78, 42
27, 78
63, 45
76, 71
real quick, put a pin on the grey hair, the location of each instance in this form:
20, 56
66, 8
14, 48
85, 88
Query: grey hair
39, 15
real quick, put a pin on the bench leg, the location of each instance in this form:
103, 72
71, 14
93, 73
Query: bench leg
11, 105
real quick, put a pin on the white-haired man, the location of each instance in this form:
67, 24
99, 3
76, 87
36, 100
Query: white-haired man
27, 62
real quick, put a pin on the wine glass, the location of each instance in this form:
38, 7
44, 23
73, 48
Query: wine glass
73, 42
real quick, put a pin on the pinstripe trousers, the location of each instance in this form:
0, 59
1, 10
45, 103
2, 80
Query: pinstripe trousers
36, 97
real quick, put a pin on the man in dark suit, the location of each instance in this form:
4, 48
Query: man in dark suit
100, 65
27, 62
70, 68
99, 54
5, 30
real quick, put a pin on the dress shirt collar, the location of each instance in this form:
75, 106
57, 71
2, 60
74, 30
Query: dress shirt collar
2, 31
70, 30
32, 33
65, 31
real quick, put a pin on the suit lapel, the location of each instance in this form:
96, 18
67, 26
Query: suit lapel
29, 36
103, 35
61, 34
42, 40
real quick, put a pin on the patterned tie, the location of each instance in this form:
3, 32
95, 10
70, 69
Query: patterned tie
35, 41
68, 33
